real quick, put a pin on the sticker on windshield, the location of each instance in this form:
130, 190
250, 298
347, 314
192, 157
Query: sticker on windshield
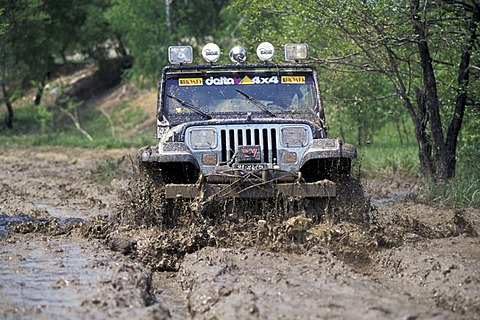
190, 82
247, 80
293, 79
220, 81
265, 80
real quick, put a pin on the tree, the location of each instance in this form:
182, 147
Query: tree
149, 27
426, 49
38, 35
21, 45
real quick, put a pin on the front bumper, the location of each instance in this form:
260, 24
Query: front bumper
261, 189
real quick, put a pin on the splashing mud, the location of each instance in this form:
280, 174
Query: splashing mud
161, 232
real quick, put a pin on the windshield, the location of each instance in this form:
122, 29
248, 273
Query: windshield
232, 94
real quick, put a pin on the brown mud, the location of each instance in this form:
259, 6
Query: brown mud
84, 234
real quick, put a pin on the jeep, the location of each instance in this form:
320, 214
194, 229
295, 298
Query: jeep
239, 130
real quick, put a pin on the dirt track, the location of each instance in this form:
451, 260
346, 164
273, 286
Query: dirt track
57, 226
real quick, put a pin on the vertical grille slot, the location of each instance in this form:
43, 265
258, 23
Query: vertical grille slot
249, 137
273, 136
223, 142
266, 138
265, 145
231, 143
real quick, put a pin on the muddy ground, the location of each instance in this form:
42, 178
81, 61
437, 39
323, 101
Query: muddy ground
75, 243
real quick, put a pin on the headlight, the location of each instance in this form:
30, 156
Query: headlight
294, 136
203, 139
238, 55
211, 52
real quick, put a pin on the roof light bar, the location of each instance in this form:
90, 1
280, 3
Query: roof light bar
265, 51
296, 51
211, 52
238, 55
180, 54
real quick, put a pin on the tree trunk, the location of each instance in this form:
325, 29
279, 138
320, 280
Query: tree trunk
40, 89
6, 98
442, 156
463, 82
420, 121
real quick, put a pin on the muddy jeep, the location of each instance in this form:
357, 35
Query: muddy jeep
244, 131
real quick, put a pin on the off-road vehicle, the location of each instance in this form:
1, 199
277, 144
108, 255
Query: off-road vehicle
244, 131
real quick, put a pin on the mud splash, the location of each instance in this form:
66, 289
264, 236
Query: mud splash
160, 232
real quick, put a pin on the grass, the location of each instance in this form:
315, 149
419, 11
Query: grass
389, 158
61, 131
385, 153
457, 193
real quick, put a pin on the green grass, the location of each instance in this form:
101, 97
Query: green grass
58, 130
386, 153
389, 158
460, 192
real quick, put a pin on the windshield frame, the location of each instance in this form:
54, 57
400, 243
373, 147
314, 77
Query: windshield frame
263, 80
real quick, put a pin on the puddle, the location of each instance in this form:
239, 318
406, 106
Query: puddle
8, 222
56, 278
35, 278
382, 202
168, 291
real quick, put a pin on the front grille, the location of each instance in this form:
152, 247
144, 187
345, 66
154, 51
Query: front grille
266, 138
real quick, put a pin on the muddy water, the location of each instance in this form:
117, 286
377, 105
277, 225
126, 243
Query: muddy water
408, 260
57, 278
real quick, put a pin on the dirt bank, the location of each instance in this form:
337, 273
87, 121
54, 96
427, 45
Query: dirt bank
72, 247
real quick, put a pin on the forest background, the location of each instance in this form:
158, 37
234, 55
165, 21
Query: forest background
400, 79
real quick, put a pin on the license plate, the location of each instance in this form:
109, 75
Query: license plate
250, 166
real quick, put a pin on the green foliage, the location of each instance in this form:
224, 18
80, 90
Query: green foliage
469, 151
460, 192
50, 127
149, 27
43, 116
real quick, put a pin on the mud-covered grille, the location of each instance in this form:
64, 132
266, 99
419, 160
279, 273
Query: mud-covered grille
266, 138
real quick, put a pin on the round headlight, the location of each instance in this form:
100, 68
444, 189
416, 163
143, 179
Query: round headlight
265, 51
211, 52
238, 54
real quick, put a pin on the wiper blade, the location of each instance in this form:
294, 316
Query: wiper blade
257, 103
190, 106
